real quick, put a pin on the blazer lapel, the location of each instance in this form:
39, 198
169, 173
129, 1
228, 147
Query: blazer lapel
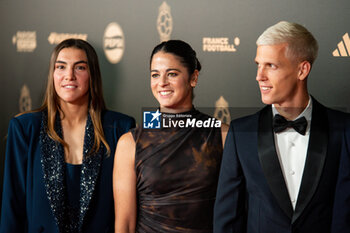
52, 161
270, 163
316, 155
53, 165
89, 171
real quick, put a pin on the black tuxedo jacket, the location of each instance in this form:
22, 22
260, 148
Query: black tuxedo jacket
252, 195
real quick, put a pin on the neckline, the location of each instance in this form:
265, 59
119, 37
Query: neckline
73, 165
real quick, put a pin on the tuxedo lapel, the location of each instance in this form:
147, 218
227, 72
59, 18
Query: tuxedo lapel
270, 163
316, 155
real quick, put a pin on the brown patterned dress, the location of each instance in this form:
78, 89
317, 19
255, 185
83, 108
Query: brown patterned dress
177, 171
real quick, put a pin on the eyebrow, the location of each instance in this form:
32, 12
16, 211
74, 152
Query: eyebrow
78, 62
167, 70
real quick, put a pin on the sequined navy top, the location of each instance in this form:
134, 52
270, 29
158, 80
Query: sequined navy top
73, 183
73, 192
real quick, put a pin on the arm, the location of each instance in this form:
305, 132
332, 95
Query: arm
13, 213
229, 210
124, 185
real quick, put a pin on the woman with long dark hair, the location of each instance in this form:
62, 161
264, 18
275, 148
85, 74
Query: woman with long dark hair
165, 179
59, 158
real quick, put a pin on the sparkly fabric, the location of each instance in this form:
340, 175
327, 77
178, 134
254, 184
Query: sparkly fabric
73, 191
52, 161
177, 172
53, 166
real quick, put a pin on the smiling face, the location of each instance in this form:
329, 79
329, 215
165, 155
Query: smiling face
171, 83
282, 80
71, 76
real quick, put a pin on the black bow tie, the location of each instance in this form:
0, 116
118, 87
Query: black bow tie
280, 124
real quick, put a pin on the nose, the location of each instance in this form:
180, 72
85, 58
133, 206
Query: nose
163, 81
69, 74
260, 74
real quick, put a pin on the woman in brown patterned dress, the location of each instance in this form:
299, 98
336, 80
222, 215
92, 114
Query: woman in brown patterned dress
165, 179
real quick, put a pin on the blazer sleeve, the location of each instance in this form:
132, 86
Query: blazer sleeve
13, 214
129, 124
229, 210
341, 209
123, 124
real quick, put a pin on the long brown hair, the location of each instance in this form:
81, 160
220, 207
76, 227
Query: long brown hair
96, 100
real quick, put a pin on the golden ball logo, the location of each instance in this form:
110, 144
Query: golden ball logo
113, 43
164, 22
25, 102
222, 111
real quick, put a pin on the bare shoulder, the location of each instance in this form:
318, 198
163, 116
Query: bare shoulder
126, 140
125, 150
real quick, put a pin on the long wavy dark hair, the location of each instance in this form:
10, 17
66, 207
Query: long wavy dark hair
96, 100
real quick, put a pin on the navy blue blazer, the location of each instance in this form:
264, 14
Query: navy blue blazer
252, 195
33, 198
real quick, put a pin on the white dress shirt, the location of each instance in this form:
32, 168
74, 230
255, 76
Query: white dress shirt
291, 148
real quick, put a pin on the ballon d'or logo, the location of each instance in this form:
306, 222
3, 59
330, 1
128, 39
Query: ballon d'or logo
164, 22
25, 102
222, 111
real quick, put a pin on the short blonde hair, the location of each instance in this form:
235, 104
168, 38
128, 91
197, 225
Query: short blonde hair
302, 45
